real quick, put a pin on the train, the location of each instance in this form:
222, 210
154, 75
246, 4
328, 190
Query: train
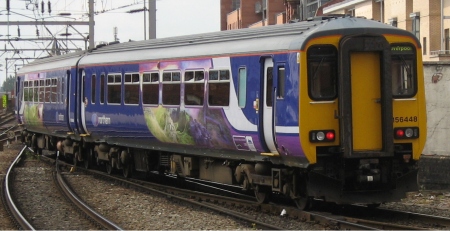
328, 109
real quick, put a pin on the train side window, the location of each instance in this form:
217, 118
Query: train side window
25, 91
54, 96
150, 88
219, 88
132, 88
114, 88
48, 90
281, 82
403, 71
41, 91
322, 72
171, 88
36, 91
242, 87
102, 88
93, 85
194, 87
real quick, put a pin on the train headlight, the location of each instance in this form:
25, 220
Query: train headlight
322, 136
409, 132
406, 133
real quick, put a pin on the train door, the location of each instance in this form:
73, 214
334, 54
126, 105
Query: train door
365, 97
267, 106
19, 98
71, 92
84, 100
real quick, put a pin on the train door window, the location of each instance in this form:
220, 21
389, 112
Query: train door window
54, 95
219, 88
63, 88
242, 88
132, 88
93, 81
281, 82
322, 72
150, 88
41, 91
194, 87
102, 88
403, 71
269, 88
171, 88
114, 90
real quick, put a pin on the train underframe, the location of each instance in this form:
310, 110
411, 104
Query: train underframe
370, 181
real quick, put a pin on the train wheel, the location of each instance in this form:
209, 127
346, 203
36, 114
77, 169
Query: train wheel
262, 194
127, 170
109, 168
75, 159
302, 203
88, 159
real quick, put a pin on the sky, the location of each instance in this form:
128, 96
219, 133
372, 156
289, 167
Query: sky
173, 18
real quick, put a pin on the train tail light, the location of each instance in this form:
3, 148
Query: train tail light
406, 133
322, 136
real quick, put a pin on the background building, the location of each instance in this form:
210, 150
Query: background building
427, 19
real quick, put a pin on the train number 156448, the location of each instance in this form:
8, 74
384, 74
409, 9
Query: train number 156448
402, 119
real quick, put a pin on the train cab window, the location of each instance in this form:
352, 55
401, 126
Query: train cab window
114, 88
102, 88
219, 88
403, 71
322, 72
171, 88
54, 92
132, 88
150, 88
41, 87
93, 81
194, 87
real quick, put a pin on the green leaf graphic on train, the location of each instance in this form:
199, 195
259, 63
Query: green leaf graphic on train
33, 114
165, 129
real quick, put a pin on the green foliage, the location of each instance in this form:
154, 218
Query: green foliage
8, 84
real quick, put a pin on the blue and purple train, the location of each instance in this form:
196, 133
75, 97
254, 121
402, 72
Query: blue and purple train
332, 109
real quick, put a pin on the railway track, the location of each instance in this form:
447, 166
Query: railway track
32, 178
231, 205
264, 216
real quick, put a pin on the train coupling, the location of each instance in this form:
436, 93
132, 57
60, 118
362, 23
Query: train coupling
368, 171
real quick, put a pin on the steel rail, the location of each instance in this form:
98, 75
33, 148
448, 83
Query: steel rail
109, 225
20, 219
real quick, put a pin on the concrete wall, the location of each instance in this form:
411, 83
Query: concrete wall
437, 92
434, 164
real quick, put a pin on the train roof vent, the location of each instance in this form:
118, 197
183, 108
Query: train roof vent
115, 42
101, 44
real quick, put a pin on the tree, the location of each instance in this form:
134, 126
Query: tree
8, 84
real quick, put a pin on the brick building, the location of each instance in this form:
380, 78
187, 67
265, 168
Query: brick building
428, 19
236, 14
